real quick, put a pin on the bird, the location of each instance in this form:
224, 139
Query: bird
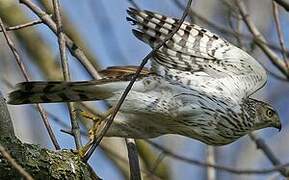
199, 85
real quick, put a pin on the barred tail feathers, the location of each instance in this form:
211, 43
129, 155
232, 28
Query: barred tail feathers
57, 91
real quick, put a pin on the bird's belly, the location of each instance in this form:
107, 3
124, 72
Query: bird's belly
208, 129
139, 125
151, 114
143, 126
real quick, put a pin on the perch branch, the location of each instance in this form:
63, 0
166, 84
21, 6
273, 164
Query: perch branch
14, 164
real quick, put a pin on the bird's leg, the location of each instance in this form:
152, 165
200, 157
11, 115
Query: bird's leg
97, 120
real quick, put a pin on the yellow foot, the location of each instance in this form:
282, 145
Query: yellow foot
82, 151
97, 120
94, 118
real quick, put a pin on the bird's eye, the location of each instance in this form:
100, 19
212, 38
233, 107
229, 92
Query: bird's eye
269, 113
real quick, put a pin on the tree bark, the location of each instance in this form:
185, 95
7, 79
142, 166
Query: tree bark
39, 162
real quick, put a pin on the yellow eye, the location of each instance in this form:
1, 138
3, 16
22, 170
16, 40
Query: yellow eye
269, 113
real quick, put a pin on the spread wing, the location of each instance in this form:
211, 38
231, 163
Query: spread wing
198, 59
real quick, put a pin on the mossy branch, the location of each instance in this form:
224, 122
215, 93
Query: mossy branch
39, 162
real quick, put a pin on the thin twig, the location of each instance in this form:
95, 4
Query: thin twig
73, 48
64, 62
133, 159
157, 162
283, 3
260, 39
25, 25
273, 74
260, 143
238, 31
14, 164
128, 88
219, 167
238, 27
279, 32
116, 52
211, 172
25, 74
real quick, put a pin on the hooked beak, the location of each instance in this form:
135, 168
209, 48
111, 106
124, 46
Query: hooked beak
278, 126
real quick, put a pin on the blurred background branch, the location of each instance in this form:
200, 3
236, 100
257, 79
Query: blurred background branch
75, 129
26, 77
283, 3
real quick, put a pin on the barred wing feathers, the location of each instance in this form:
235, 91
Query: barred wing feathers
198, 59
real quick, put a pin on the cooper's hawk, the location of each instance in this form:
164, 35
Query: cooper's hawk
199, 86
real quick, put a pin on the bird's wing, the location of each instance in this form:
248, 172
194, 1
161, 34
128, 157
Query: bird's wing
196, 58
121, 72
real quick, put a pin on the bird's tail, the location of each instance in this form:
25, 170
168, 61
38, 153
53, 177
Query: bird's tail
58, 91
115, 79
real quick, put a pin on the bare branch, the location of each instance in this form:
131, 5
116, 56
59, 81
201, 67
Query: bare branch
260, 40
133, 159
64, 62
157, 162
279, 32
25, 74
211, 172
268, 152
284, 4
219, 167
73, 48
25, 25
128, 88
277, 76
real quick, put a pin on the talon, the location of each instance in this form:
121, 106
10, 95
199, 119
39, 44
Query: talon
76, 110
97, 119
90, 116
82, 151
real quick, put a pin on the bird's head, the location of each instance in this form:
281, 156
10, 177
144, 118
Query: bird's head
266, 116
